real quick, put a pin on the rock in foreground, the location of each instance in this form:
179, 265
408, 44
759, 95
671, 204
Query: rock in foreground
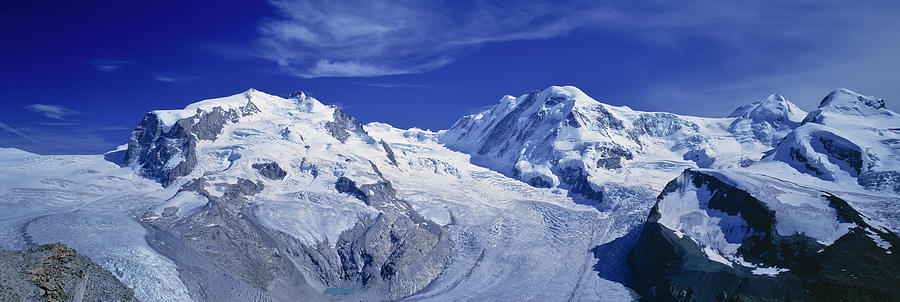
55, 272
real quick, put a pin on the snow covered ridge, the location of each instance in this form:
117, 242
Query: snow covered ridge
767, 121
561, 137
299, 200
849, 139
722, 211
789, 192
255, 196
714, 230
164, 145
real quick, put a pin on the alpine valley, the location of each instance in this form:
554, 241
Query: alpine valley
549, 196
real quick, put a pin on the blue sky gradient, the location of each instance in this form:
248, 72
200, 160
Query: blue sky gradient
77, 77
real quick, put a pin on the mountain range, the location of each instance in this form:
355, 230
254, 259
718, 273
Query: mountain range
548, 196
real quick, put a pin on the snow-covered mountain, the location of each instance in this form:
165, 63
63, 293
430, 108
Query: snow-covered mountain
559, 136
766, 121
815, 219
542, 197
720, 235
850, 138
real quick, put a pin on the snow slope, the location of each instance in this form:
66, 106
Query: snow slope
508, 235
87, 203
291, 192
557, 135
766, 121
850, 139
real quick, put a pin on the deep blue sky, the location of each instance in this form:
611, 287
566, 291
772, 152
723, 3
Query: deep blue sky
78, 76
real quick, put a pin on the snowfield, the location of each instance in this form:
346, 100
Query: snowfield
540, 195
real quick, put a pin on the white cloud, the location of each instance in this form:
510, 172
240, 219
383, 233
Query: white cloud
166, 78
17, 133
395, 85
710, 56
109, 65
52, 111
43, 139
372, 38
802, 50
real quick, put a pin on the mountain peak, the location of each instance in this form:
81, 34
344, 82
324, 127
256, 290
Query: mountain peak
775, 97
766, 121
775, 108
567, 94
566, 90
299, 94
848, 101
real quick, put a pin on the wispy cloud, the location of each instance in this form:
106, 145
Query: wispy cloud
17, 133
171, 78
801, 49
84, 139
109, 65
365, 38
163, 78
52, 111
59, 124
394, 85
725, 52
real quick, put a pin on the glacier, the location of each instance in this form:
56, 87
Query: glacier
541, 197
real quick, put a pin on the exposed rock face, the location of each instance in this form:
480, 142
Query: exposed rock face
399, 252
224, 251
560, 137
519, 137
577, 181
318, 224
167, 155
613, 157
55, 272
389, 152
210, 124
270, 170
677, 266
850, 136
881, 181
223, 254
343, 125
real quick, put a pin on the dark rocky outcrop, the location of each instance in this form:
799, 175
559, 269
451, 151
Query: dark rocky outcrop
506, 127
152, 149
55, 272
398, 252
270, 170
165, 155
880, 180
343, 125
576, 181
667, 267
209, 124
223, 253
390, 153
848, 155
612, 157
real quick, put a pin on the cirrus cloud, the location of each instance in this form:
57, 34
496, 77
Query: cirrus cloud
372, 38
52, 111
105, 65
318, 38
